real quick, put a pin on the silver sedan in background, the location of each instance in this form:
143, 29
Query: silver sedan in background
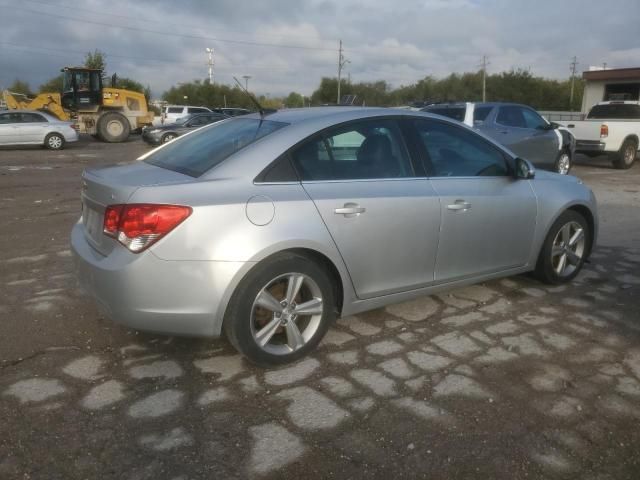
268, 227
32, 127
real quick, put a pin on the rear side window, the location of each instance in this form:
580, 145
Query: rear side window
202, 150
457, 113
615, 110
362, 150
480, 114
174, 109
197, 110
32, 118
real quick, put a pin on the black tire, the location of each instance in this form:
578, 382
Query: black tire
626, 155
239, 318
167, 137
562, 160
546, 268
113, 127
54, 141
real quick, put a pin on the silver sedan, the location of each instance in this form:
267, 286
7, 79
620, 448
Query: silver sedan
268, 228
31, 127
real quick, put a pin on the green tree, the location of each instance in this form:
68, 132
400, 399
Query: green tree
20, 86
96, 59
52, 85
294, 100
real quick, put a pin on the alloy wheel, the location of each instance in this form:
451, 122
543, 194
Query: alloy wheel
286, 313
55, 142
568, 249
564, 164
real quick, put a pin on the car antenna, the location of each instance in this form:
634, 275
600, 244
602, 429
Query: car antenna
263, 111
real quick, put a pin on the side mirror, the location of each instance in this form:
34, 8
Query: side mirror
524, 169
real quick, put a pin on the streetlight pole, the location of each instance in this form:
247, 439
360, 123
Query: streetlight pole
341, 63
210, 52
246, 82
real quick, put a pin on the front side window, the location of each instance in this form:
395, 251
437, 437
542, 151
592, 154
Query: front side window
511, 117
455, 152
480, 114
532, 119
367, 149
202, 150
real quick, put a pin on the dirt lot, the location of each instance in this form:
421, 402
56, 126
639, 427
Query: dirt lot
505, 380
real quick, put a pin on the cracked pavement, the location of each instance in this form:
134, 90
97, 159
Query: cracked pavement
506, 379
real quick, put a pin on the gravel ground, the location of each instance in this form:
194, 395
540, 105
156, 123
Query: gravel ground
507, 379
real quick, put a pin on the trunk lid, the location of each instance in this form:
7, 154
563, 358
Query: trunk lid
115, 185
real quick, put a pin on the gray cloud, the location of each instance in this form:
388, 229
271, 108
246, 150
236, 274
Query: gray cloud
162, 42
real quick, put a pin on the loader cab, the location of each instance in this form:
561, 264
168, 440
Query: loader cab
81, 88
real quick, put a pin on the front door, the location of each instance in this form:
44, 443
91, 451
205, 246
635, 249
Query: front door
383, 220
488, 217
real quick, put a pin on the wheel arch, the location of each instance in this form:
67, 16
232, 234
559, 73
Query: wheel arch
633, 137
588, 215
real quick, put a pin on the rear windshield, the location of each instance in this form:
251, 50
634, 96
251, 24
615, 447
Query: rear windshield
457, 113
615, 110
200, 151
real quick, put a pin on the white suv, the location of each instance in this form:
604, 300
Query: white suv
171, 113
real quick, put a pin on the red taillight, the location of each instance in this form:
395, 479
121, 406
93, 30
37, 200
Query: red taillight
604, 131
138, 225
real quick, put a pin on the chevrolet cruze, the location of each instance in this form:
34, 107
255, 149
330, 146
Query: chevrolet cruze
268, 226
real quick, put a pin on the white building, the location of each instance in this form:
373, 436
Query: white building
610, 84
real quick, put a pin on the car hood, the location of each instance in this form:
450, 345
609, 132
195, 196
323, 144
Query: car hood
546, 175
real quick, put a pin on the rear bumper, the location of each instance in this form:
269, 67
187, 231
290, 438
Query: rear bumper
590, 146
143, 292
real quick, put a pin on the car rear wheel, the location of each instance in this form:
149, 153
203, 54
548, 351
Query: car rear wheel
54, 141
168, 137
626, 155
564, 250
563, 163
281, 310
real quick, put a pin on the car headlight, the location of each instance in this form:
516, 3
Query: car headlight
155, 130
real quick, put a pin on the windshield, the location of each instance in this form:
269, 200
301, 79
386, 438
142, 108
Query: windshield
200, 151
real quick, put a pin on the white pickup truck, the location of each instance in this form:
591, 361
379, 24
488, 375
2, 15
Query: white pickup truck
611, 128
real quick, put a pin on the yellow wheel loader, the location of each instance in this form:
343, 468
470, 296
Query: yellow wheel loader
109, 114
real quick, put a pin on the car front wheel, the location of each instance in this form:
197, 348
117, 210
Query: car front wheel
564, 250
168, 137
563, 163
281, 310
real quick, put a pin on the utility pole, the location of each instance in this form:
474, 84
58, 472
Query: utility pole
573, 66
210, 52
341, 63
246, 81
483, 65
604, 66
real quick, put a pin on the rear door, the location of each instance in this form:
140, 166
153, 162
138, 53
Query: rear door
383, 219
488, 217
33, 128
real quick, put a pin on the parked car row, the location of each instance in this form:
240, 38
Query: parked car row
171, 113
267, 227
167, 132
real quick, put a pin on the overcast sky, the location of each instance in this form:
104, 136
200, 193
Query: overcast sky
288, 45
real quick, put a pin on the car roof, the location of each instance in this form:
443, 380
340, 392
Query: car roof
47, 115
297, 115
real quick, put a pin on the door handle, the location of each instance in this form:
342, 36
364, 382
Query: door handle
350, 210
459, 205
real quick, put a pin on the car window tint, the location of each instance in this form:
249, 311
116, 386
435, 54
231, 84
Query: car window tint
615, 110
174, 109
511, 117
532, 119
457, 113
4, 119
32, 118
481, 113
456, 152
362, 150
200, 151
197, 110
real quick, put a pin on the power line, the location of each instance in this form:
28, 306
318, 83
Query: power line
173, 34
